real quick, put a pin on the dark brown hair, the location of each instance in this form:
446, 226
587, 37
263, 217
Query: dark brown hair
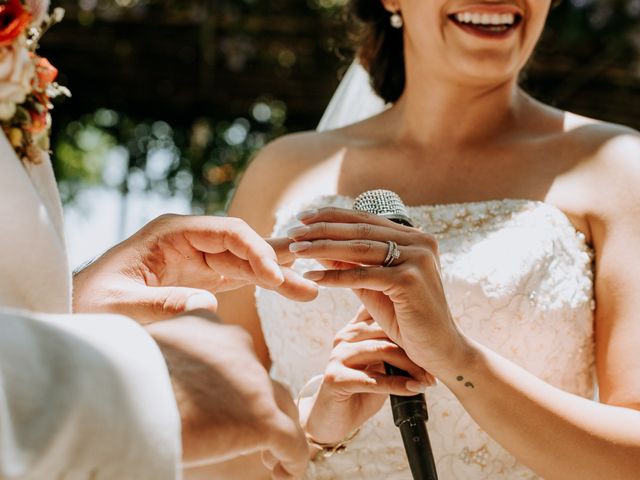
380, 47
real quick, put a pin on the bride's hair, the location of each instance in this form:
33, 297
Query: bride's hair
380, 47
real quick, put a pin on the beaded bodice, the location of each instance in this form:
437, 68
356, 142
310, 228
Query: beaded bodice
518, 279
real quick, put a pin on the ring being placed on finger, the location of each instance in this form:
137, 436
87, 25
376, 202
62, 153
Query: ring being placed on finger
393, 254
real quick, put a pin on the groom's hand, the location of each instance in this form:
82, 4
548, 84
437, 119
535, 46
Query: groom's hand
228, 404
177, 263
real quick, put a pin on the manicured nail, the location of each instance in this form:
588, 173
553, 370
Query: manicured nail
416, 387
200, 301
298, 232
314, 276
299, 247
307, 215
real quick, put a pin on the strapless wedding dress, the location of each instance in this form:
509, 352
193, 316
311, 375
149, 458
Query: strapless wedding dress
518, 278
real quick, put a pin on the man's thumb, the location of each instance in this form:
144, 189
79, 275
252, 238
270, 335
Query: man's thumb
157, 303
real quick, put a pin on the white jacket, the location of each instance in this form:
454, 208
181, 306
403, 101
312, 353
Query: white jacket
81, 396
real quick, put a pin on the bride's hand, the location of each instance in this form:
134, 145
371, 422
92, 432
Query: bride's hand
354, 386
407, 299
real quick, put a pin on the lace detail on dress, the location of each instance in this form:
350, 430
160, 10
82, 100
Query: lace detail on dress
518, 279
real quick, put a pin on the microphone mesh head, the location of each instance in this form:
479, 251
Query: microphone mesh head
384, 203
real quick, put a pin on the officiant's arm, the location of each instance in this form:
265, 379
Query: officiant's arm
84, 396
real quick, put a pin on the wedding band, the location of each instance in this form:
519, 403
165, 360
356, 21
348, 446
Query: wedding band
393, 254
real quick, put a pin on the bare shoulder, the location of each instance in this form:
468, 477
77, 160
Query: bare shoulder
292, 168
608, 170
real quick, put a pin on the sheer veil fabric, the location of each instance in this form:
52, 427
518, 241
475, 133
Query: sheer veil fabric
353, 101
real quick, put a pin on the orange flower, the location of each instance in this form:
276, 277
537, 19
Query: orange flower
39, 122
45, 73
14, 18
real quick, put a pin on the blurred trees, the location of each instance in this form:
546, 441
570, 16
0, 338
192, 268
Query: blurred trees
177, 95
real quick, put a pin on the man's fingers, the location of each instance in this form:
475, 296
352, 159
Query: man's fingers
297, 288
149, 304
218, 234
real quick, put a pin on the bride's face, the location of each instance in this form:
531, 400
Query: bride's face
472, 40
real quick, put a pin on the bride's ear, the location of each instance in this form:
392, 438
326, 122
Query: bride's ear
392, 6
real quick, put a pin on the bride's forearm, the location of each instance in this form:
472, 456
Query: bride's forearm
557, 434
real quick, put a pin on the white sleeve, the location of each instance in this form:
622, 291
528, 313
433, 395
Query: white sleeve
84, 397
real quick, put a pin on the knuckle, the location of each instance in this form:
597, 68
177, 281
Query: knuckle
364, 216
363, 230
166, 217
426, 260
408, 275
359, 274
237, 223
360, 247
341, 337
328, 211
322, 228
331, 375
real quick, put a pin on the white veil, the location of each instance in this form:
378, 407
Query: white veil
353, 101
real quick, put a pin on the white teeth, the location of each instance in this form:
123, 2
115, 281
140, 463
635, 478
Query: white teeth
486, 18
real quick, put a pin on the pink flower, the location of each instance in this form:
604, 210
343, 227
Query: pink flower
16, 75
38, 10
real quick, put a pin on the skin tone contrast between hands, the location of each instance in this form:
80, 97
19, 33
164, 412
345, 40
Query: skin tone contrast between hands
165, 276
466, 132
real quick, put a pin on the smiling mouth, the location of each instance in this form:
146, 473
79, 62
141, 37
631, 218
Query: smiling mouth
487, 24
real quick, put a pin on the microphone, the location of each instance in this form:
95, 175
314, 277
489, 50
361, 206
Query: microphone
409, 413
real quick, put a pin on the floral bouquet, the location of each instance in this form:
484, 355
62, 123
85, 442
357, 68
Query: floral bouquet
27, 81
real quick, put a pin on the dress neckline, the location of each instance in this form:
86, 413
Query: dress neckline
477, 203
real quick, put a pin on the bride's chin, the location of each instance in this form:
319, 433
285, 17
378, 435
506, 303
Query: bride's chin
487, 71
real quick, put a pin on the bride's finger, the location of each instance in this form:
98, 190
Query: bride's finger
363, 316
268, 459
341, 215
362, 252
365, 382
373, 351
358, 332
353, 231
377, 279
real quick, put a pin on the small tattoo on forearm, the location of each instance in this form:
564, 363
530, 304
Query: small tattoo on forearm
460, 378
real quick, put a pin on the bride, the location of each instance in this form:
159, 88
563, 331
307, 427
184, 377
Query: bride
520, 205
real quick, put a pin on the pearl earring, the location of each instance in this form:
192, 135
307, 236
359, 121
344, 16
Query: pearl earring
396, 20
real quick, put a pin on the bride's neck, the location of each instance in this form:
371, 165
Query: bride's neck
430, 112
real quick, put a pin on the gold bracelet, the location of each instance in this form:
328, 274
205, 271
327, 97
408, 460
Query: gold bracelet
327, 450
324, 450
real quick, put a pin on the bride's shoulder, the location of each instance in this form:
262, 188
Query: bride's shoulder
608, 168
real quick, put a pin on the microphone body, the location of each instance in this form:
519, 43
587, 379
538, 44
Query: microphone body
409, 413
